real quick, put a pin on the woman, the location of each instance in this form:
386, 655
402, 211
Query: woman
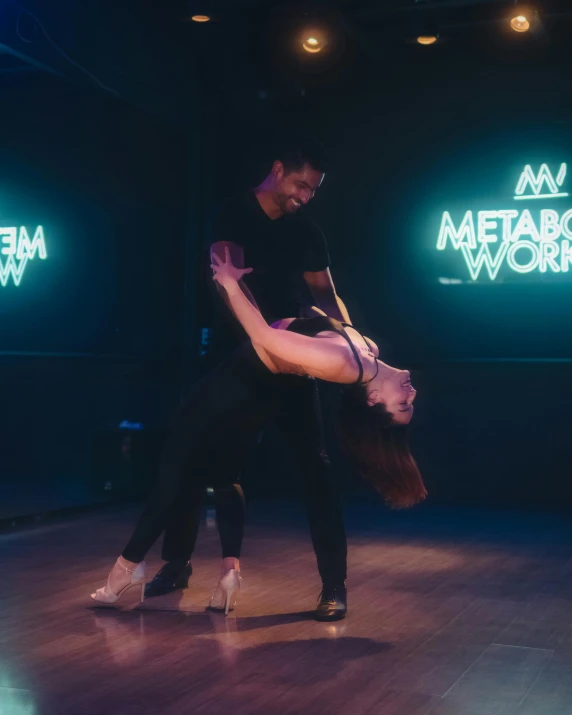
232, 403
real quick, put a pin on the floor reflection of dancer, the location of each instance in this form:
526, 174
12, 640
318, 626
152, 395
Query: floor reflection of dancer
227, 408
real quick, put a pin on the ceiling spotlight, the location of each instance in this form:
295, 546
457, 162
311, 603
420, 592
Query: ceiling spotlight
423, 27
520, 23
524, 17
427, 39
312, 45
200, 18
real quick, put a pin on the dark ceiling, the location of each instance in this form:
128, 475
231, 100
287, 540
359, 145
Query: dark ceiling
251, 49
233, 10
256, 44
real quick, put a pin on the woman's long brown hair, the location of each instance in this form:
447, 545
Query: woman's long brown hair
379, 449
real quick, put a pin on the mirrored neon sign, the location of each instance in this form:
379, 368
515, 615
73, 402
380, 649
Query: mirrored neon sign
515, 239
16, 249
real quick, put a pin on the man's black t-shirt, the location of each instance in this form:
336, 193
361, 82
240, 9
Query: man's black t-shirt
279, 251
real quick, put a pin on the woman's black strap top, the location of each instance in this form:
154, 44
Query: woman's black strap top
322, 323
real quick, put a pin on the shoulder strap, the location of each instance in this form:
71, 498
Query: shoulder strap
354, 351
369, 345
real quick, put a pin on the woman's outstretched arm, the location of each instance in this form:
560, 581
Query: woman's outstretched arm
318, 357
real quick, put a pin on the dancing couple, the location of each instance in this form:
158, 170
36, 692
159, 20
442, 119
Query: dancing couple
283, 328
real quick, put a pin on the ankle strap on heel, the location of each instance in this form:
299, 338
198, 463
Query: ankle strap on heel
121, 566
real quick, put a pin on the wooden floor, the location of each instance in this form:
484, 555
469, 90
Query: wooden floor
452, 612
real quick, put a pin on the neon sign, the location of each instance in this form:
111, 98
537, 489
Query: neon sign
17, 248
522, 241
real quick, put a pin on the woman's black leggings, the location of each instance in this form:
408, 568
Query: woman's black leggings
212, 434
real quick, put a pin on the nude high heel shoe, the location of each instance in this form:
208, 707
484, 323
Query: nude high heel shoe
106, 595
226, 593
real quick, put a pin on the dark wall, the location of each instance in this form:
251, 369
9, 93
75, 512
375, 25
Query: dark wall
495, 433
136, 50
94, 334
107, 184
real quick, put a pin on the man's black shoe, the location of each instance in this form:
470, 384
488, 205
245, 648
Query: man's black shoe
333, 603
171, 577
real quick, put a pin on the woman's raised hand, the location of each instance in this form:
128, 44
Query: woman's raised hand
224, 272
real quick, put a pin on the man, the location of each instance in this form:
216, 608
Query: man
265, 230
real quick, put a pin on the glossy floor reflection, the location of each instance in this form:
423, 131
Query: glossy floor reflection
452, 612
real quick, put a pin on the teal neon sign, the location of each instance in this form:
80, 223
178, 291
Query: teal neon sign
16, 249
517, 240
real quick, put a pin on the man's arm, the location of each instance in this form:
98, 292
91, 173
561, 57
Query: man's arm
324, 293
319, 358
237, 258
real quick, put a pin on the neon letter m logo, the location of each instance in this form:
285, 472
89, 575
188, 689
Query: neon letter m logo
536, 182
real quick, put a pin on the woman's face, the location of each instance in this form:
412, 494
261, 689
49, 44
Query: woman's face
393, 388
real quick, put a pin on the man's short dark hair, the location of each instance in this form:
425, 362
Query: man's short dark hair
298, 152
